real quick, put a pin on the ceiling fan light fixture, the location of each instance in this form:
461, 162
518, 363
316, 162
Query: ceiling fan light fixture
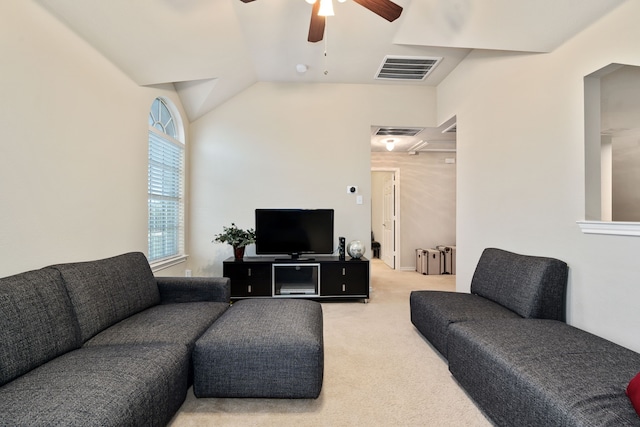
326, 8
390, 143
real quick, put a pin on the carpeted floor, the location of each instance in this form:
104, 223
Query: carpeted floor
379, 371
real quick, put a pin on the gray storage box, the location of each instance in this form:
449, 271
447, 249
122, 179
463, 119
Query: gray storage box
432, 262
448, 254
419, 264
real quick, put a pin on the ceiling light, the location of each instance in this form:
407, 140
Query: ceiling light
301, 68
390, 144
326, 8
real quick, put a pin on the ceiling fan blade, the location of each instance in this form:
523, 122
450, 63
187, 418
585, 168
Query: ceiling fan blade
385, 8
316, 26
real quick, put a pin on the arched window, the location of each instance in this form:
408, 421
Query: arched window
165, 182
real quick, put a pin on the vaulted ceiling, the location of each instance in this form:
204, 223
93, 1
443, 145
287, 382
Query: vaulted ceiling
213, 49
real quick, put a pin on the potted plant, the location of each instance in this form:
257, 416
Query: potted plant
237, 238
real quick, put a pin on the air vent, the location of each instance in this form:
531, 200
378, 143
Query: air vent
409, 68
389, 131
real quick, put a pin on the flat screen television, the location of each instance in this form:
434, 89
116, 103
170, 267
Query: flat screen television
294, 232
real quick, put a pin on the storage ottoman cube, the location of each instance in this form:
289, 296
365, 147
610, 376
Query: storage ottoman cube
262, 348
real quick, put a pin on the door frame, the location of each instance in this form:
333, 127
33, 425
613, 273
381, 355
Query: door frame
397, 240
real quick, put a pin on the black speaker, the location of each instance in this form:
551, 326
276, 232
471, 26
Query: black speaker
341, 249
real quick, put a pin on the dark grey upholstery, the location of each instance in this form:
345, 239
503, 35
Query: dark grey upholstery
505, 284
193, 289
532, 286
433, 311
134, 366
528, 372
114, 386
508, 347
180, 323
106, 291
262, 348
36, 322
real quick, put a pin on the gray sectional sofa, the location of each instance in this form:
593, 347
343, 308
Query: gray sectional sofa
100, 343
508, 346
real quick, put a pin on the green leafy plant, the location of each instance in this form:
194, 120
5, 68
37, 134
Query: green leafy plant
236, 237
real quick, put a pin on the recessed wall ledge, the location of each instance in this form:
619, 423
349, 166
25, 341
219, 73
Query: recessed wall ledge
616, 228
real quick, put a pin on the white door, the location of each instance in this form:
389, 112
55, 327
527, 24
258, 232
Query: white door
387, 245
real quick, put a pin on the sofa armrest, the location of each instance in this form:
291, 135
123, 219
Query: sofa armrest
193, 289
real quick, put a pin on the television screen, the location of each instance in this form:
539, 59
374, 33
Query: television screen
294, 231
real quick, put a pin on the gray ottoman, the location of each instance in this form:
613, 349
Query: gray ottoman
261, 348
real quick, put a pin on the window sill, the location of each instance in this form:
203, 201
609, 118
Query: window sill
610, 228
167, 262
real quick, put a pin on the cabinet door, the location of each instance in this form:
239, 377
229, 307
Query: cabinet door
345, 279
248, 279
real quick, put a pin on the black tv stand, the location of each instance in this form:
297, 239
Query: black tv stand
292, 259
321, 277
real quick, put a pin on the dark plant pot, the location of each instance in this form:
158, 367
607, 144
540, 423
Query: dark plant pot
238, 253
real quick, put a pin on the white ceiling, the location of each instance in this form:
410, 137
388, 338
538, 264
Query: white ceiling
213, 49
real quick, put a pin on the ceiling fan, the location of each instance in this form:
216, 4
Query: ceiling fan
383, 8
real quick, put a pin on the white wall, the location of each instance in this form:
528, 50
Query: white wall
291, 146
73, 156
521, 183
427, 201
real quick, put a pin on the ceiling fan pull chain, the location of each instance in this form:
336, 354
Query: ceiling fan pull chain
326, 37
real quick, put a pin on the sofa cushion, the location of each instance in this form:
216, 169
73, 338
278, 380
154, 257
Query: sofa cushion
433, 311
141, 385
106, 291
633, 391
36, 322
180, 323
532, 286
528, 372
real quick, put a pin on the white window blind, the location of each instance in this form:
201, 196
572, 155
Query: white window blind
165, 188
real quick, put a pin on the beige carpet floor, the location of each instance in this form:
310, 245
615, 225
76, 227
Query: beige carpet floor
379, 371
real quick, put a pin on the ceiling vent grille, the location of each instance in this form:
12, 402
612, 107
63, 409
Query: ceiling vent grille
393, 131
408, 68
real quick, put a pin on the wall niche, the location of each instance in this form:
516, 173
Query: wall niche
612, 145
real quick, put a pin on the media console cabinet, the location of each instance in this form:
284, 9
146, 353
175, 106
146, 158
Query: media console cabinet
318, 277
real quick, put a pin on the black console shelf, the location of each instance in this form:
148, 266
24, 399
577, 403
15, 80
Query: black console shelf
313, 277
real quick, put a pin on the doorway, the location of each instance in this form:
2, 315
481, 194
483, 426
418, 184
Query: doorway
385, 186
427, 161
